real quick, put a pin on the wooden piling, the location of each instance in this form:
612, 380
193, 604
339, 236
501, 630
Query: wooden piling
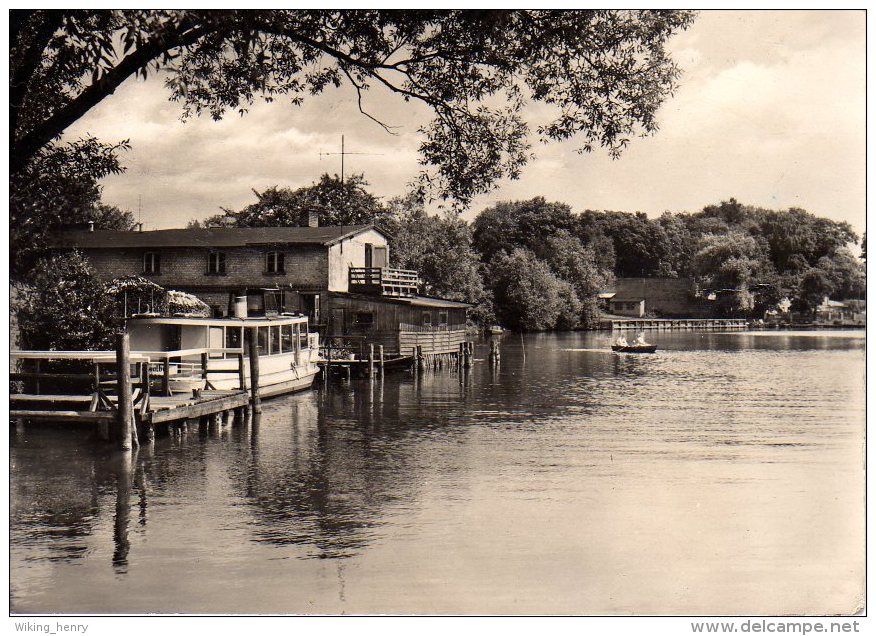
468, 353
494, 352
165, 380
255, 397
241, 372
124, 413
371, 361
204, 362
380, 350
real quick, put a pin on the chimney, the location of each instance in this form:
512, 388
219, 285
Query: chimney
90, 226
312, 218
139, 227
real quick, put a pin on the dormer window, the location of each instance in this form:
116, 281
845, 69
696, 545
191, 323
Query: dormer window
151, 263
275, 263
216, 263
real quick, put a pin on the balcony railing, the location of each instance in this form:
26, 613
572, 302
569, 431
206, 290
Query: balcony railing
384, 281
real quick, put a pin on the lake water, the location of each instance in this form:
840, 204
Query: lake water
723, 475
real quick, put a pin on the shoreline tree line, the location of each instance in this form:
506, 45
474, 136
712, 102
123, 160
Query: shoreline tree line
600, 76
536, 265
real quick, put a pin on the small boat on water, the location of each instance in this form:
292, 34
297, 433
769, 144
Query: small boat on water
637, 346
495, 330
178, 346
634, 348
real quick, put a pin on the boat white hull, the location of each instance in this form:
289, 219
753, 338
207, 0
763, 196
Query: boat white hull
278, 374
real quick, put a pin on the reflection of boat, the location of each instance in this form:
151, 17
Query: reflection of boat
179, 346
634, 348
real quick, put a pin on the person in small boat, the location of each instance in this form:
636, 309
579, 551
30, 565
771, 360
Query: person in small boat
640, 339
622, 341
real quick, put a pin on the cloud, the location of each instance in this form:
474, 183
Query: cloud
770, 111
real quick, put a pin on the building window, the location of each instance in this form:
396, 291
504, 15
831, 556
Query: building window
275, 263
151, 263
442, 318
427, 319
363, 319
216, 263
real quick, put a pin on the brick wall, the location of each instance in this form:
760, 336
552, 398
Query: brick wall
181, 268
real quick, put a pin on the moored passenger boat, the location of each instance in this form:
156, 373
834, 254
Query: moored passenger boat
191, 353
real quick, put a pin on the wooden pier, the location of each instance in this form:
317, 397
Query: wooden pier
120, 400
646, 324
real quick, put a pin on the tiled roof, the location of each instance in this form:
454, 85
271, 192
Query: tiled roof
209, 237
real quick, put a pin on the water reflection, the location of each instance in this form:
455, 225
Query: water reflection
342, 469
122, 466
560, 475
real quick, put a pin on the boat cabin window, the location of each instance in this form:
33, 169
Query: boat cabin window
216, 341
286, 342
302, 335
262, 340
427, 318
232, 338
275, 339
442, 318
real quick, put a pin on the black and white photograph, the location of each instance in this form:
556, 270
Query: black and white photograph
437, 313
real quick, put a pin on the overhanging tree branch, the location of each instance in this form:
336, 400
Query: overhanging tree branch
29, 144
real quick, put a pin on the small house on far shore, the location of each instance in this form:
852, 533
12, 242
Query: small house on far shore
841, 313
339, 276
623, 306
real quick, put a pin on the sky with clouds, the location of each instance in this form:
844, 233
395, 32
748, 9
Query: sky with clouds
771, 110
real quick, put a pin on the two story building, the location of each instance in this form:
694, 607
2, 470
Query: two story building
338, 275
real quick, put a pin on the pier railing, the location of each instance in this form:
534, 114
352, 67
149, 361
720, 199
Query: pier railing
78, 386
386, 281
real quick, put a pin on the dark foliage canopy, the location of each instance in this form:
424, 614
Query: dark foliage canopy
603, 74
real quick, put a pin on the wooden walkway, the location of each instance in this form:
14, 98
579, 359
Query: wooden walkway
644, 324
119, 398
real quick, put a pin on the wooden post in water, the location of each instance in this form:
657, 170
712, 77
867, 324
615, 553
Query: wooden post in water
380, 349
124, 412
421, 363
371, 361
494, 352
204, 360
165, 381
241, 372
255, 397
469, 351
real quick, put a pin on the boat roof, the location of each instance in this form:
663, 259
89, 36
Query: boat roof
255, 321
210, 237
626, 299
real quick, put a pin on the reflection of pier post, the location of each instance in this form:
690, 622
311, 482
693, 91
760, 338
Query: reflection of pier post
141, 488
123, 511
254, 422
